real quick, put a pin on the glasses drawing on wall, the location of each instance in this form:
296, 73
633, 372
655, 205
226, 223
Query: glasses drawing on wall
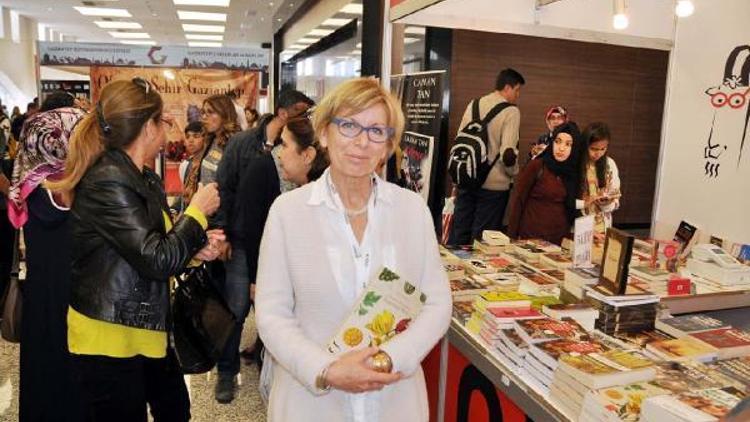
730, 101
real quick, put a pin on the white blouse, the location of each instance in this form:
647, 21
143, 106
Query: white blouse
311, 270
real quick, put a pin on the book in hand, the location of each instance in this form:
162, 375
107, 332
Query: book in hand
695, 406
614, 367
544, 329
683, 325
385, 309
683, 349
729, 342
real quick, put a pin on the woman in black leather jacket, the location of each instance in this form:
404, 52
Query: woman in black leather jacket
125, 249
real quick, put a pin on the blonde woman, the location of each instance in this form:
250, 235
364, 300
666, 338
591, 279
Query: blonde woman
322, 244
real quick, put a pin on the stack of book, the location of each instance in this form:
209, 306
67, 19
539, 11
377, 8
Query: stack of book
695, 406
684, 325
556, 260
582, 313
512, 348
455, 271
546, 246
477, 266
503, 281
623, 403
462, 310
493, 299
496, 319
578, 374
728, 342
538, 284
576, 279
535, 331
624, 313
683, 349
737, 369
487, 248
469, 287
495, 238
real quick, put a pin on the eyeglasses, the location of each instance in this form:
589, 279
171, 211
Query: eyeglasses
142, 83
351, 129
736, 100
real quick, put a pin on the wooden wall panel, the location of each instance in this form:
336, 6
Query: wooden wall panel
621, 86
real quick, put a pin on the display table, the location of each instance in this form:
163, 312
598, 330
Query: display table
477, 386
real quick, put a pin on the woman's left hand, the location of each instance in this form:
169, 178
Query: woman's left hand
212, 250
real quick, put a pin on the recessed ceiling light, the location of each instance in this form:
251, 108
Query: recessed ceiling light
190, 27
186, 15
352, 9
218, 3
416, 30
204, 37
138, 42
335, 22
359, 45
130, 35
203, 44
409, 40
102, 11
118, 25
306, 40
320, 32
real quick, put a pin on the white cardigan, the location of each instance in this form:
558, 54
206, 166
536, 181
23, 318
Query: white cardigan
301, 298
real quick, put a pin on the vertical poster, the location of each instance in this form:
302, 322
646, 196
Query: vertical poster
183, 92
421, 96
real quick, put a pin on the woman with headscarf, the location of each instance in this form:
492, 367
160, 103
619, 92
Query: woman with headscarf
543, 203
46, 391
555, 116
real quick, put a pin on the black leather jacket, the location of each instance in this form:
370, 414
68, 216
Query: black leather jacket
122, 255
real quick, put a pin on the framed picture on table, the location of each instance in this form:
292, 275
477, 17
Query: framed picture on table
618, 249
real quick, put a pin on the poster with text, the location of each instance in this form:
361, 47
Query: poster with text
183, 93
421, 96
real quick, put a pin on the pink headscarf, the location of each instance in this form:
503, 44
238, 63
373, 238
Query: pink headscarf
42, 153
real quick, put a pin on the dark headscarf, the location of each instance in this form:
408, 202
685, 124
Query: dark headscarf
568, 170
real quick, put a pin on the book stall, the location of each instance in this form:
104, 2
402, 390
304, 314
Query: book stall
541, 332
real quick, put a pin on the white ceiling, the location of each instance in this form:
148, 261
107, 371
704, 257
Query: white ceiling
248, 21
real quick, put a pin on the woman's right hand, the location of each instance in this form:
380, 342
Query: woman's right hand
352, 373
206, 198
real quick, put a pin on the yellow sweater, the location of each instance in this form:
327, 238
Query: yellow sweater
88, 336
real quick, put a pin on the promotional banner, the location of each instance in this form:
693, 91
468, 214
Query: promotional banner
81, 54
421, 96
183, 92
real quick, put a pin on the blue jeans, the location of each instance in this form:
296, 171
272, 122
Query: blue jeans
237, 295
477, 210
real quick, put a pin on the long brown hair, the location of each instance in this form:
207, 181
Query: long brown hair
123, 109
224, 107
304, 134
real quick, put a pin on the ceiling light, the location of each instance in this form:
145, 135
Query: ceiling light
102, 11
131, 35
297, 47
620, 18
138, 42
190, 27
186, 15
415, 30
352, 9
684, 8
359, 45
306, 40
203, 44
409, 40
218, 3
169, 74
118, 25
335, 22
320, 33
204, 37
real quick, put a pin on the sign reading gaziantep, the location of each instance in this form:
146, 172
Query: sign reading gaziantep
81, 54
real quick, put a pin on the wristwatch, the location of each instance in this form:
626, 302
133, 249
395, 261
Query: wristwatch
381, 362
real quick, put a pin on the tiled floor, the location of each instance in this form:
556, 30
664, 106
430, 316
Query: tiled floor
247, 407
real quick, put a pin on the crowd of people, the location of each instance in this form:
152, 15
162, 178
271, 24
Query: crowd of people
568, 175
288, 213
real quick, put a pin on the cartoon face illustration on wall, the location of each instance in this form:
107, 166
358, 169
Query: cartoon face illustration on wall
730, 101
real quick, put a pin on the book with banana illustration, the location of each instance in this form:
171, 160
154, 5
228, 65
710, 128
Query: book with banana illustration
384, 309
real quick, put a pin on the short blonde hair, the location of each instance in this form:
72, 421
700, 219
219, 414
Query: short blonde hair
355, 96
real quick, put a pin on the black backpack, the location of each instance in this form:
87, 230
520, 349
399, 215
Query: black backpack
468, 164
